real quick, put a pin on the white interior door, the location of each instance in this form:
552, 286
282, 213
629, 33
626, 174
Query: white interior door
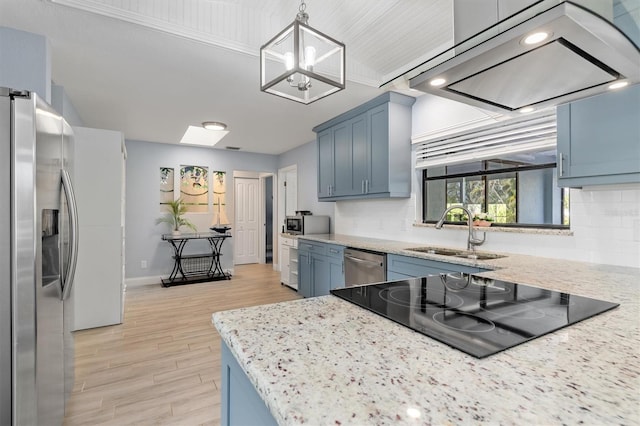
246, 238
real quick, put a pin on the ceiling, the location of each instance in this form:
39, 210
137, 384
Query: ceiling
151, 68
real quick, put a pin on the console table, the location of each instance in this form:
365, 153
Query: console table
196, 268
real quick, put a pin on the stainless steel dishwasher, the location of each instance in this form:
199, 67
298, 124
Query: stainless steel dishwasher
364, 267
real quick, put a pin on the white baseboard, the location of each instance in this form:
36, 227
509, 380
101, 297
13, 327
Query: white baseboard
142, 281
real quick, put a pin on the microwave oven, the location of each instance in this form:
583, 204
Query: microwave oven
307, 224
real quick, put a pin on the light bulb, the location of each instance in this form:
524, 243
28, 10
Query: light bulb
437, 82
527, 110
618, 85
288, 61
536, 38
309, 57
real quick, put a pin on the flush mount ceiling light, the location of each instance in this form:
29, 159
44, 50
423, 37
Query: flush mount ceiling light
301, 63
214, 125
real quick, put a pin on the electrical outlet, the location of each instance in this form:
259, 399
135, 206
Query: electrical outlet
143, 264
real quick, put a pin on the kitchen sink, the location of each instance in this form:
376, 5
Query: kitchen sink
465, 254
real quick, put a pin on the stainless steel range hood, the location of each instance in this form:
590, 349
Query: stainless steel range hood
582, 56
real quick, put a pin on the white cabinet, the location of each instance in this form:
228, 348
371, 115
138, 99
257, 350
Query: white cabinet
289, 261
99, 185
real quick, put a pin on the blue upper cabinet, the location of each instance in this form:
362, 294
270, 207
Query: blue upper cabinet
366, 152
599, 140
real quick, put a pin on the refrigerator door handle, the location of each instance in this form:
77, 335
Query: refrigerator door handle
67, 281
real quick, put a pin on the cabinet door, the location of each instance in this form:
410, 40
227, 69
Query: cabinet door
361, 153
305, 279
325, 163
598, 139
378, 175
343, 178
238, 393
320, 273
336, 273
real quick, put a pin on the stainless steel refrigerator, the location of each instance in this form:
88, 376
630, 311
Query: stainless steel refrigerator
38, 252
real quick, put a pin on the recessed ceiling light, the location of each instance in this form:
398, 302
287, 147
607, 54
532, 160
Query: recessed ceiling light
214, 125
536, 37
618, 85
526, 110
437, 82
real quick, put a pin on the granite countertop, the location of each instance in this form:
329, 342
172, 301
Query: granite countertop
326, 361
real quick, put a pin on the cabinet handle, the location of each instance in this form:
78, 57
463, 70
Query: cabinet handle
560, 168
333, 250
366, 186
363, 186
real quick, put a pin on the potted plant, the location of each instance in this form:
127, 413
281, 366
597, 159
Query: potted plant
175, 217
482, 219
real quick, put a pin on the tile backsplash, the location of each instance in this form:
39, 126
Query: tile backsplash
605, 225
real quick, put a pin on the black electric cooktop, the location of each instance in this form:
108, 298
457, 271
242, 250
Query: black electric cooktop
476, 315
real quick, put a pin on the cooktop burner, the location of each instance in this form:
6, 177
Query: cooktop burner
476, 315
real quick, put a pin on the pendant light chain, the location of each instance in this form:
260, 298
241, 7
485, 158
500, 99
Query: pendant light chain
302, 16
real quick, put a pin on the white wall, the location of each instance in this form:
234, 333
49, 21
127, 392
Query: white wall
605, 223
143, 236
306, 157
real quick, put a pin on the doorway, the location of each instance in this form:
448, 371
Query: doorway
247, 213
268, 219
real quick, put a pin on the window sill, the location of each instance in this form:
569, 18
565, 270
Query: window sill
535, 231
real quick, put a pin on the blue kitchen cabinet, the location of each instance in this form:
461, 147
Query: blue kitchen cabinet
320, 267
340, 165
320, 272
401, 267
335, 257
599, 140
240, 402
325, 163
366, 152
304, 271
396, 276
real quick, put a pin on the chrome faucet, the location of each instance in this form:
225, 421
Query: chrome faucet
472, 240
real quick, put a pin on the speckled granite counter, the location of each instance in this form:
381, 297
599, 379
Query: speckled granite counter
326, 361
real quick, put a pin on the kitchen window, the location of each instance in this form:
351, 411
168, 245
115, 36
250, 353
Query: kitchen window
518, 190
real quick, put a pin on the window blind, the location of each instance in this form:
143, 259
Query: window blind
513, 136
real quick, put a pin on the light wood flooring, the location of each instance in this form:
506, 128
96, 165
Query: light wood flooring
162, 365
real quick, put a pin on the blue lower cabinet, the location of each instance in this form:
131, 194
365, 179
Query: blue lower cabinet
305, 277
240, 402
336, 273
397, 276
320, 268
320, 271
335, 255
407, 266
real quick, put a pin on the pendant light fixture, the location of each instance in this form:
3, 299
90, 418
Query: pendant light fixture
301, 63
